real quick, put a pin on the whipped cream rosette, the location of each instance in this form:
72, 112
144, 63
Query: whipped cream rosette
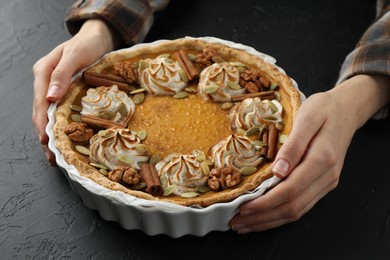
117, 146
161, 76
107, 103
220, 81
235, 151
183, 170
253, 112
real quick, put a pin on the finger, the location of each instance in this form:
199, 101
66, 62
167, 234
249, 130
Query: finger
292, 151
62, 75
42, 71
320, 161
49, 155
283, 214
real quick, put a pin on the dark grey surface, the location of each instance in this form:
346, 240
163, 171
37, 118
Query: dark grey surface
40, 218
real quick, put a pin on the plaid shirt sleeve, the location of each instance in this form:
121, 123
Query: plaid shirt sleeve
132, 19
372, 52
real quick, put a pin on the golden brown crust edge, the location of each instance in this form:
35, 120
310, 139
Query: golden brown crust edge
290, 101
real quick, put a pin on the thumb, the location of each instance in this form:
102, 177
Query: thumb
293, 150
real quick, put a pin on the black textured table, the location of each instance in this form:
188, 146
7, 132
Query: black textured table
40, 217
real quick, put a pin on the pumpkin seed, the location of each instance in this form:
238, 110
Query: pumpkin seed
248, 170
155, 159
208, 162
210, 89
122, 109
183, 75
82, 149
237, 64
141, 148
200, 157
126, 159
104, 172
190, 194
138, 186
205, 168
164, 181
75, 108
273, 85
259, 143
142, 134
218, 59
169, 157
136, 65
202, 189
138, 90
278, 97
138, 98
163, 56
283, 139
134, 132
102, 133
227, 105
142, 65
233, 85
76, 118
241, 70
181, 94
240, 131
272, 106
107, 115
169, 190
279, 125
98, 165
252, 131
270, 118
191, 89
191, 56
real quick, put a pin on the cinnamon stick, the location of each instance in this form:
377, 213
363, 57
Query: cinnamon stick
263, 95
186, 64
192, 69
272, 138
151, 178
264, 137
100, 122
107, 80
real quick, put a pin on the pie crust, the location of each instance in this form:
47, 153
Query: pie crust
289, 98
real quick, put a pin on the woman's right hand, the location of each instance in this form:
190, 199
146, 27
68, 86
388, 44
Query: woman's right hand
53, 73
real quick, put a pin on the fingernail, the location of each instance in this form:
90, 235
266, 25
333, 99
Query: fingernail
243, 231
281, 168
53, 91
237, 227
246, 212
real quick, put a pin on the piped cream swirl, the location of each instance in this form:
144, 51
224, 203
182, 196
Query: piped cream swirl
110, 146
184, 170
221, 75
255, 112
235, 151
161, 76
108, 103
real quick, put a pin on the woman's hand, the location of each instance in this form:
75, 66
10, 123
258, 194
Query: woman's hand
53, 73
313, 156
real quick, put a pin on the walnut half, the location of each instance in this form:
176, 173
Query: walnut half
79, 132
223, 178
126, 174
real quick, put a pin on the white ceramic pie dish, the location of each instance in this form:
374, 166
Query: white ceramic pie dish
154, 217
